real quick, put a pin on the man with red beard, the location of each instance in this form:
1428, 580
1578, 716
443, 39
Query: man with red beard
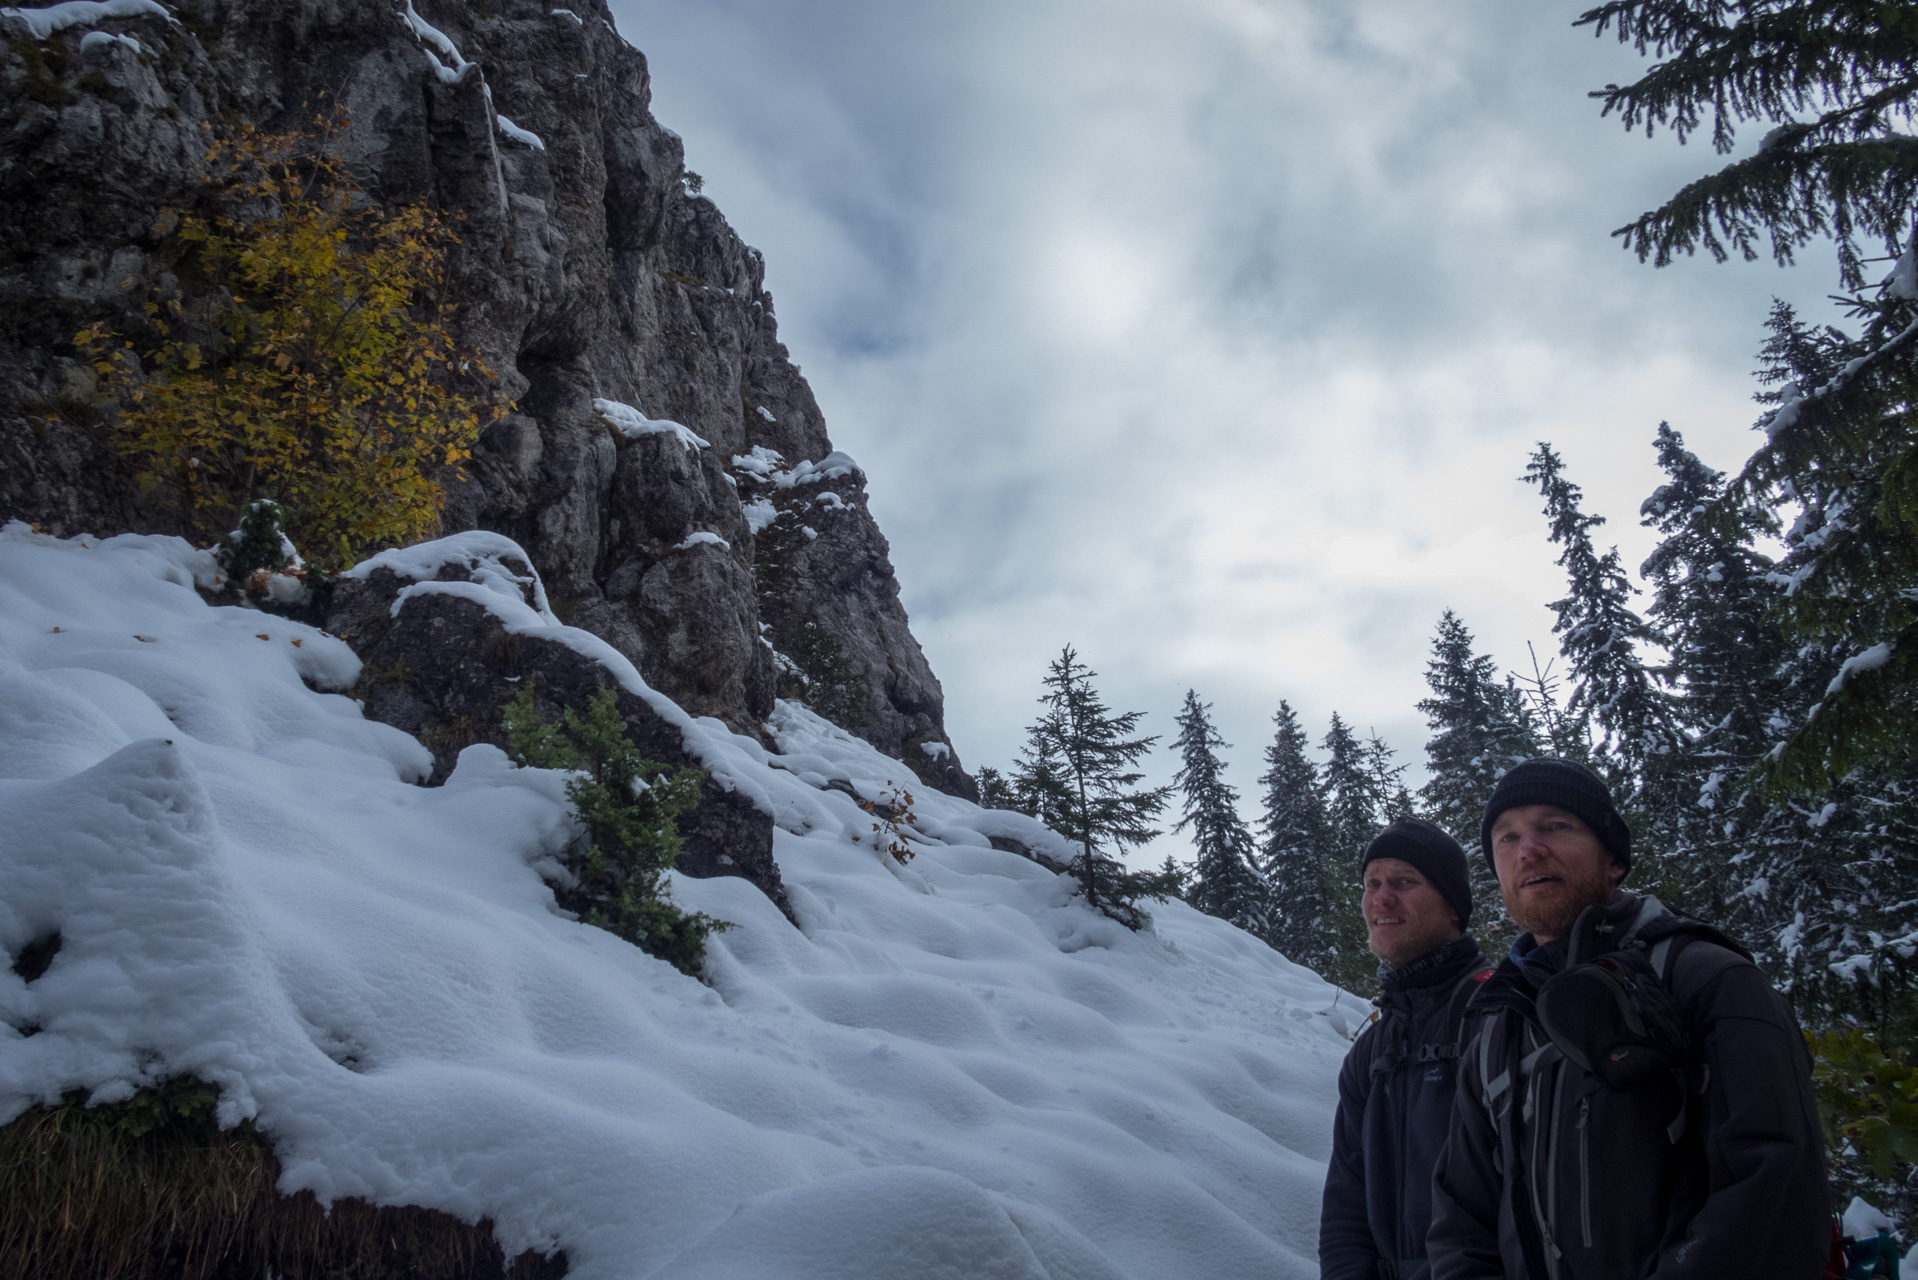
1710, 1165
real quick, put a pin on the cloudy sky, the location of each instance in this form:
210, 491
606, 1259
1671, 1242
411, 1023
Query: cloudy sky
1211, 336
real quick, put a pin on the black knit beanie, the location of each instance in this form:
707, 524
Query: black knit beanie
1564, 785
1435, 855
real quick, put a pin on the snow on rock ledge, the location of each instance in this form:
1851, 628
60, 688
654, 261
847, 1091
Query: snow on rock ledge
489, 560
632, 424
44, 22
953, 1068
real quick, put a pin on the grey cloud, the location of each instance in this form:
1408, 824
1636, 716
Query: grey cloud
1212, 336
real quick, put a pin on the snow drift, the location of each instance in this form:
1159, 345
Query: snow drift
953, 1069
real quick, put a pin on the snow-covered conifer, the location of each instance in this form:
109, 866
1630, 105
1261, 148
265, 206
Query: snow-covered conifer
1355, 779
1712, 597
1295, 840
1598, 631
1832, 85
1480, 729
1225, 881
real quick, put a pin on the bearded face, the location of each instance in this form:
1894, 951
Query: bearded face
1551, 866
1405, 914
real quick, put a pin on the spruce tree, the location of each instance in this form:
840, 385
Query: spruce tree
1225, 882
1598, 631
1562, 734
1832, 82
1295, 847
1077, 772
1353, 798
996, 790
1388, 775
1641, 743
1712, 596
1480, 728
1355, 803
1851, 567
1038, 787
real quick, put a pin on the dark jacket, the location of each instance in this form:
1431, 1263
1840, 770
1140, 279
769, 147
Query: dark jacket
1395, 1107
1714, 1172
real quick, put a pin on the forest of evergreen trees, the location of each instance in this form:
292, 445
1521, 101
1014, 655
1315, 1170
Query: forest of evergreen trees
1752, 704
1682, 706
1753, 699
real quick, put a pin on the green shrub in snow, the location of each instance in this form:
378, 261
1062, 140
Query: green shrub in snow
630, 807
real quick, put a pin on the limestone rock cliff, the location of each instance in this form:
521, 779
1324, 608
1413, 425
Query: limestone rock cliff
611, 299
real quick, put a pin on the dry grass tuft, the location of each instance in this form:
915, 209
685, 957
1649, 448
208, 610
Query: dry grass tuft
153, 1189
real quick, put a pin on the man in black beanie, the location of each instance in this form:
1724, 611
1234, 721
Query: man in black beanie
1565, 1161
1395, 1089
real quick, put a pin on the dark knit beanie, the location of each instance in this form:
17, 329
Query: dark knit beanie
1433, 854
1563, 785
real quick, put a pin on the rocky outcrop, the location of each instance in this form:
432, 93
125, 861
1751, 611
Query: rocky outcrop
443, 667
611, 300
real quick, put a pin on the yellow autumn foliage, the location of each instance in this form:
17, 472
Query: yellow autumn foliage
324, 377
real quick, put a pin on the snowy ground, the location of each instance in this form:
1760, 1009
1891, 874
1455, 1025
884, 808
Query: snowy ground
953, 1070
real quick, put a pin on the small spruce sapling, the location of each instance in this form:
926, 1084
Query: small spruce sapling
259, 551
629, 807
823, 677
259, 543
1176, 876
1077, 772
995, 791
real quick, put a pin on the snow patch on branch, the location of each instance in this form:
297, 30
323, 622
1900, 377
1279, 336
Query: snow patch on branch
1870, 660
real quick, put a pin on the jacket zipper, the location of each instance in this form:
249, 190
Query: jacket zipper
1545, 1135
1584, 1172
1559, 1072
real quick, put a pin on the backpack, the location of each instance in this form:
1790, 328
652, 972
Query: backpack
1838, 1261
1615, 1015
1875, 1256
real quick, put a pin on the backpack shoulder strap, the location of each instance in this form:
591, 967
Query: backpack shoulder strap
1497, 1051
1670, 927
1391, 1040
1461, 995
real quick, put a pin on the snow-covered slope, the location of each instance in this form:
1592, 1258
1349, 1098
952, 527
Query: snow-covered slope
953, 1070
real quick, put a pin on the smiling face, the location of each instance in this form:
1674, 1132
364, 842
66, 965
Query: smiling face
1405, 917
1551, 866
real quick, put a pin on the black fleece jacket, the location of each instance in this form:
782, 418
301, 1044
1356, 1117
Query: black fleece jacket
1394, 1113
1717, 1172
